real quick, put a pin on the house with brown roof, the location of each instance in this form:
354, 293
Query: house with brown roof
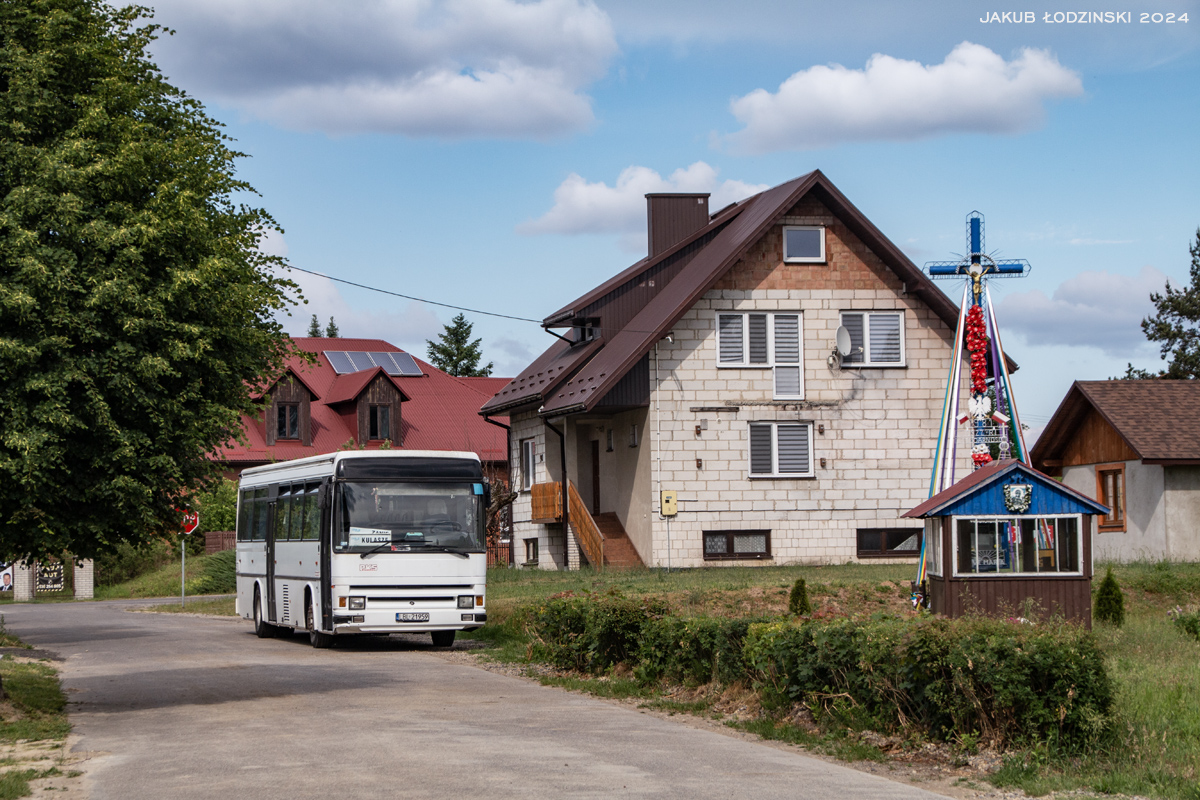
366, 394
698, 407
1135, 447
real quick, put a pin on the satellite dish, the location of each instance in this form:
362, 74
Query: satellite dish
843, 341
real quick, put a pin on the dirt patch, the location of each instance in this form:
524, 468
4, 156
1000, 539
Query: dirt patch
62, 769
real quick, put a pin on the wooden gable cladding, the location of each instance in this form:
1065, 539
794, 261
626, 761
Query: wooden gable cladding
289, 390
1096, 442
379, 392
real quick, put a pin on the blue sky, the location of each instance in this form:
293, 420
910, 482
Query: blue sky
493, 154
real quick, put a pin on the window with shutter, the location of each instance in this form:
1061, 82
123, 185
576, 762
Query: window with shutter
876, 338
765, 340
781, 450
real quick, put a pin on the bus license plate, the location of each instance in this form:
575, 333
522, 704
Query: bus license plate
413, 616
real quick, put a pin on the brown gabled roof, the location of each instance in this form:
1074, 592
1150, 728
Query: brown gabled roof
1158, 419
345, 388
566, 379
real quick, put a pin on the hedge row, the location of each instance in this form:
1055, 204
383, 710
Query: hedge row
1007, 682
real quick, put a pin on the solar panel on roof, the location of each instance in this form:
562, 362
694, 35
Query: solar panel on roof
361, 361
385, 360
339, 361
406, 364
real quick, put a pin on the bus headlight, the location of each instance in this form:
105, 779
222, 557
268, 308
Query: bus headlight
466, 601
358, 603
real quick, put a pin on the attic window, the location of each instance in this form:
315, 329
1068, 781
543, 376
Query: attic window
287, 421
804, 244
586, 330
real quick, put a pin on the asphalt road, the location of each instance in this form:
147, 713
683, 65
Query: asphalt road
189, 707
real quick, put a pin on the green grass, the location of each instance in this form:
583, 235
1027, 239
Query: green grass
15, 783
834, 743
509, 589
35, 693
221, 607
164, 581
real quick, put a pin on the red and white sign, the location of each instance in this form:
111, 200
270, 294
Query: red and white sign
191, 521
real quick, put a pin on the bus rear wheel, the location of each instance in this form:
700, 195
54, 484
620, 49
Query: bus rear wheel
315, 637
262, 629
442, 638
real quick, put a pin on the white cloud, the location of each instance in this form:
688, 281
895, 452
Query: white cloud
582, 207
973, 91
455, 68
1092, 309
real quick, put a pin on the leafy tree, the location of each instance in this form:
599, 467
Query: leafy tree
331, 330
314, 327
136, 310
455, 353
1176, 325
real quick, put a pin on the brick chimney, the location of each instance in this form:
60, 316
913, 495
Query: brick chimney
671, 218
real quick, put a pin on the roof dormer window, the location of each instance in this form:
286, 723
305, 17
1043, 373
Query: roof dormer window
585, 331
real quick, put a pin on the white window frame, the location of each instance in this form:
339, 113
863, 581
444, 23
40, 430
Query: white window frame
528, 455
819, 259
770, 363
775, 473
866, 345
1003, 518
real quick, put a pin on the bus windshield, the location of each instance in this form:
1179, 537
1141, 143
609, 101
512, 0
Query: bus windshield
409, 517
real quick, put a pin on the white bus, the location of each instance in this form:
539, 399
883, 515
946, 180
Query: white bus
364, 542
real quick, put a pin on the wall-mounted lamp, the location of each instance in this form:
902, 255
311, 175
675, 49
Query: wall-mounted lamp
822, 463
821, 428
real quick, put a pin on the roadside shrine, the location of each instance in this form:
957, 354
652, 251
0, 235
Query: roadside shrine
1004, 535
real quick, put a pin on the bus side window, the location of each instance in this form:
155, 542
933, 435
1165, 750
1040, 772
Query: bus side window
259, 533
283, 513
312, 512
243, 515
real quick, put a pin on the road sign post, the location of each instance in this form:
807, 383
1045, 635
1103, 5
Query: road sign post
191, 521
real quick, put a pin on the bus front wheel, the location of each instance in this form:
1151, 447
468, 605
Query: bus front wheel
315, 637
442, 638
262, 629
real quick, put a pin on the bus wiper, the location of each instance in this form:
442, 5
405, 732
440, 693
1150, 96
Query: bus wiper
442, 549
376, 549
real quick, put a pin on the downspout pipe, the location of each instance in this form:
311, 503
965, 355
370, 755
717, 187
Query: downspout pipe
512, 541
562, 457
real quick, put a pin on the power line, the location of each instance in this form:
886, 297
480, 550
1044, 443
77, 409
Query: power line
410, 297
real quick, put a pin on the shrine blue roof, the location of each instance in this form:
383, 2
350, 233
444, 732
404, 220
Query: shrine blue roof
982, 493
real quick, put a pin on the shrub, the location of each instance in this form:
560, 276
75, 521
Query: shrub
128, 561
219, 575
1110, 603
1188, 622
692, 651
592, 632
1013, 683
798, 604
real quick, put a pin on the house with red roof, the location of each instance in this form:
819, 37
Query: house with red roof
697, 410
367, 394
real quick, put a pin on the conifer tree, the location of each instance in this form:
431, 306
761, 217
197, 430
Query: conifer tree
455, 352
314, 328
331, 330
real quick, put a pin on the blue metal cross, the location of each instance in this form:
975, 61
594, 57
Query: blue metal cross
977, 264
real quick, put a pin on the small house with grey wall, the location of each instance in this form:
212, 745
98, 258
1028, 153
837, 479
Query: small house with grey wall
1134, 445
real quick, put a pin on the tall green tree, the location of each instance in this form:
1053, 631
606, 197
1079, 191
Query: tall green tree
1176, 325
136, 309
456, 353
314, 327
331, 330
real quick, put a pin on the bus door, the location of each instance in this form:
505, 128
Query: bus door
325, 502
270, 543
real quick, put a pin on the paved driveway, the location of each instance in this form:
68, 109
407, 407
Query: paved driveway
189, 707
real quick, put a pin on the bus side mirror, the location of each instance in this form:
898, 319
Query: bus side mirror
323, 495
487, 495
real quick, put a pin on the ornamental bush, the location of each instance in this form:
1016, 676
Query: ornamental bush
798, 604
692, 651
1110, 603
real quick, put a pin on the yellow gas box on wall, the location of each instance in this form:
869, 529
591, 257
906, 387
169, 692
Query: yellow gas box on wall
668, 504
